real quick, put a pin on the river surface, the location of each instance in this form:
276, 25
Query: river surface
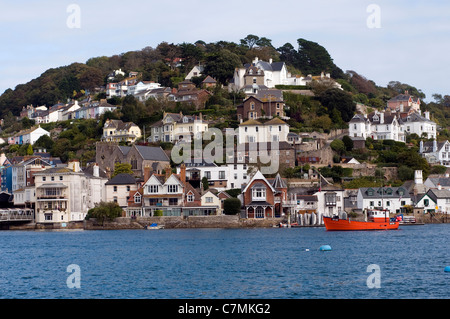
269, 263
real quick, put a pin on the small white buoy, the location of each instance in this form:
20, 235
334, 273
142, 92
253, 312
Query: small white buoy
306, 249
325, 248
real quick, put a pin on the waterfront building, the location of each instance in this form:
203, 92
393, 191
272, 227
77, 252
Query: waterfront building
65, 194
119, 187
170, 194
392, 198
266, 198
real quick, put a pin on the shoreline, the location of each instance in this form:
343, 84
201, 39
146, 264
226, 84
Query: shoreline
177, 222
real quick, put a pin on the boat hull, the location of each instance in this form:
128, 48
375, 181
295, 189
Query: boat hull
345, 224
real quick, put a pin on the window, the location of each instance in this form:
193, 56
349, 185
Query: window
115, 189
128, 188
173, 201
259, 193
222, 174
115, 199
208, 174
172, 188
153, 188
60, 178
134, 163
137, 198
426, 202
330, 199
209, 199
190, 198
43, 178
52, 178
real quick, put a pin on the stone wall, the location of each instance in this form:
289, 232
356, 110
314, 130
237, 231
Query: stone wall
171, 222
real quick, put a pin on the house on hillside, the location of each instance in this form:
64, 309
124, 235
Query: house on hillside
436, 152
119, 131
28, 136
404, 103
263, 104
177, 127
253, 131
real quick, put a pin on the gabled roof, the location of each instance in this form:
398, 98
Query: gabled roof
258, 176
209, 79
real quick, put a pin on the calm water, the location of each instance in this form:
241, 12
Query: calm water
226, 263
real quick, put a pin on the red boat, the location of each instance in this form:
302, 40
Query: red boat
377, 220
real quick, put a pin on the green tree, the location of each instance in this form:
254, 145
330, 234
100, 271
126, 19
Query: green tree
221, 65
122, 168
44, 141
348, 142
205, 183
104, 211
312, 58
231, 206
29, 150
338, 146
339, 100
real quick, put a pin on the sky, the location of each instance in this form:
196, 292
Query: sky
406, 41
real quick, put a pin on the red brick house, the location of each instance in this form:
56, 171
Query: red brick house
265, 198
263, 105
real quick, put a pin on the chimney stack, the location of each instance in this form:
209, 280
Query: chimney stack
146, 173
168, 173
74, 165
96, 170
183, 173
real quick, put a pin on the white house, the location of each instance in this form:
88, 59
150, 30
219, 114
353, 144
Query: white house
28, 136
436, 152
253, 131
142, 86
330, 200
392, 198
197, 70
420, 125
118, 189
211, 203
391, 126
439, 201
176, 127
66, 194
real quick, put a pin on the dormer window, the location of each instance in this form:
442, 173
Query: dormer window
137, 198
185, 119
376, 118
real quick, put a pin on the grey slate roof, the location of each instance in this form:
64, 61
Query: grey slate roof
385, 192
121, 179
152, 153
